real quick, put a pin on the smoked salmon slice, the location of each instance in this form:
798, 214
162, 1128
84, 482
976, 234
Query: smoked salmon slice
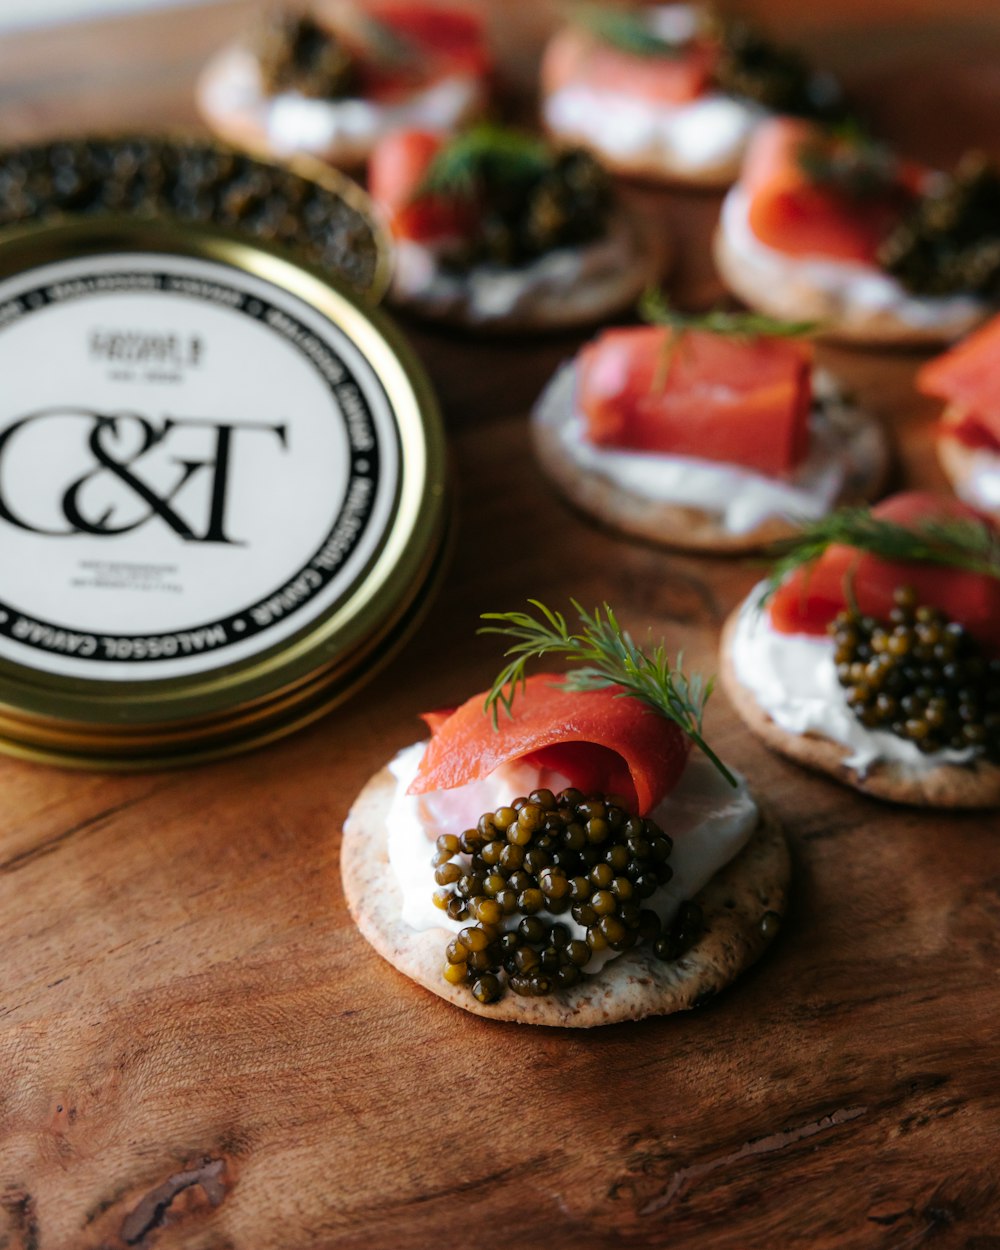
396, 170
603, 741
968, 379
809, 599
579, 58
794, 213
445, 41
692, 393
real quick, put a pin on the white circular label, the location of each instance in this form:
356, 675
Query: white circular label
194, 465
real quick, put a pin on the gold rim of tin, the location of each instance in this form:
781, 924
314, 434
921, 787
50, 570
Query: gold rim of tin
246, 703
49, 743
343, 674
311, 168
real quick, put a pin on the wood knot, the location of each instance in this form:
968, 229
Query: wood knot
205, 1182
19, 1228
888, 1212
651, 582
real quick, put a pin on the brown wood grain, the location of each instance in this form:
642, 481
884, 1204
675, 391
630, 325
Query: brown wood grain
198, 1050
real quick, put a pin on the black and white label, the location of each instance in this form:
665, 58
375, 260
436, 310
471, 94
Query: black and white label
194, 465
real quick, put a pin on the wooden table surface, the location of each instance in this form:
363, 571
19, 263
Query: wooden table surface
198, 1049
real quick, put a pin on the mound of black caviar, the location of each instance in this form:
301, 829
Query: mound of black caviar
561, 200
752, 66
297, 53
920, 676
585, 857
188, 181
949, 243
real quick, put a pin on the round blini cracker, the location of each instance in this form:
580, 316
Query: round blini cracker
741, 905
565, 289
755, 284
859, 436
975, 785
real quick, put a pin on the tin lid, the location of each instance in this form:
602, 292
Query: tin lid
222, 493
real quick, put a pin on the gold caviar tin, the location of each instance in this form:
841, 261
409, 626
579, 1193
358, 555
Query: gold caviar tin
222, 491
302, 206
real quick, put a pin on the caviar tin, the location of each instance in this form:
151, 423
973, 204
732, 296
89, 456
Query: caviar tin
222, 492
313, 211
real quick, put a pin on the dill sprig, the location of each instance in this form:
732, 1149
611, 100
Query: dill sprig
655, 309
485, 155
624, 30
607, 656
955, 542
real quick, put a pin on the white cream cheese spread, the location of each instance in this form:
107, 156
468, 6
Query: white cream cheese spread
692, 137
741, 498
689, 138
487, 293
981, 485
708, 820
853, 289
793, 678
298, 123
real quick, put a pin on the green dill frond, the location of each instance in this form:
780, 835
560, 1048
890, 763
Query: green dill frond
485, 155
624, 29
956, 542
655, 309
606, 656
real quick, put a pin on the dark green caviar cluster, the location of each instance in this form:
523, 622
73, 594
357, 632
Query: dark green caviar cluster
778, 78
563, 200
949, 243
297, 53
555, 854
191, 182
919, 676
